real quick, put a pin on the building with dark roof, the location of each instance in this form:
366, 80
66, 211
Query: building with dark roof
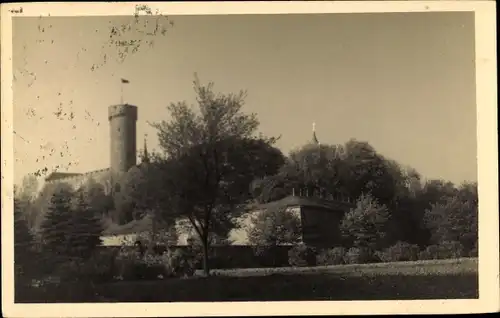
320, 215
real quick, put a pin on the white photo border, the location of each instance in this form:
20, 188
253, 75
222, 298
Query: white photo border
487, 154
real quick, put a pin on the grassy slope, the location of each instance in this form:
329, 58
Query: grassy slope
391, 281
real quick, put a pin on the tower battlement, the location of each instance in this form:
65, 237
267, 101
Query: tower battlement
127, 110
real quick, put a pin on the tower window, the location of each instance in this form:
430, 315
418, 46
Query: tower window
117, 187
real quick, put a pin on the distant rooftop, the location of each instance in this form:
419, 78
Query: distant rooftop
133, 227
296, 201
61, 175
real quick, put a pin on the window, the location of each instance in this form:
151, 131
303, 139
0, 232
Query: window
117, 187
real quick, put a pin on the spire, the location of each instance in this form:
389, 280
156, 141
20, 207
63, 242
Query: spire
315, 139
145, 156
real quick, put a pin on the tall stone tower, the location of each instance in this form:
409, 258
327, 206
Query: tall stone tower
123, 148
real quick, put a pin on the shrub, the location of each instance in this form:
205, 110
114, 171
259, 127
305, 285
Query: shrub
131, 265
100, 267
400, 252
128, 265
334, 256
451, 249
302, 255
181, 262
358, 255
95, 269
431, 252
445, 250
153, 266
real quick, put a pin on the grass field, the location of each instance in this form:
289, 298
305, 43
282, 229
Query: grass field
428, 267
449, 279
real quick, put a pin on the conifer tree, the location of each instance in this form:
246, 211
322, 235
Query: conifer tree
23, 243
86, 228
56, 227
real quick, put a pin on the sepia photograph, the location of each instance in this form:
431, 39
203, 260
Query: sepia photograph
162, 155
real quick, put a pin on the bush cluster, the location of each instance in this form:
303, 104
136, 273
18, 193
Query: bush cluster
334, 256
172, 263
399, 252
445, 250
106, 265
300, 255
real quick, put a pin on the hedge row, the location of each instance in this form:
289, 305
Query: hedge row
110, 264
302, 255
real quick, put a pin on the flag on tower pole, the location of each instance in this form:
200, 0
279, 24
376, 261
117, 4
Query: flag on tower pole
123, 81
315, 139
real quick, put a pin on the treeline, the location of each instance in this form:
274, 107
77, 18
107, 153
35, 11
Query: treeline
395, 208
214, 167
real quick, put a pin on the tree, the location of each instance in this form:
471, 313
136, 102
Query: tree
160, 233
85, 229
42, 203
57, 224
407, 208
27, 193
142, 188
166, 234
367, 225
71, 229
96, 197
270, 229
144, 194
212, 155
313, 170
456, 218
333, 172
23, 245
368, 172
274, 227
437, 191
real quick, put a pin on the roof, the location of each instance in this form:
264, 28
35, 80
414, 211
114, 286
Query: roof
292, 201
61, 175
133, 227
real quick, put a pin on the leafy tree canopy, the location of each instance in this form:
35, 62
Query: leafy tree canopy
367, 225
211, 155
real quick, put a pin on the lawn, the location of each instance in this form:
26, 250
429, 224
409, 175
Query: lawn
427, 267
390, 281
